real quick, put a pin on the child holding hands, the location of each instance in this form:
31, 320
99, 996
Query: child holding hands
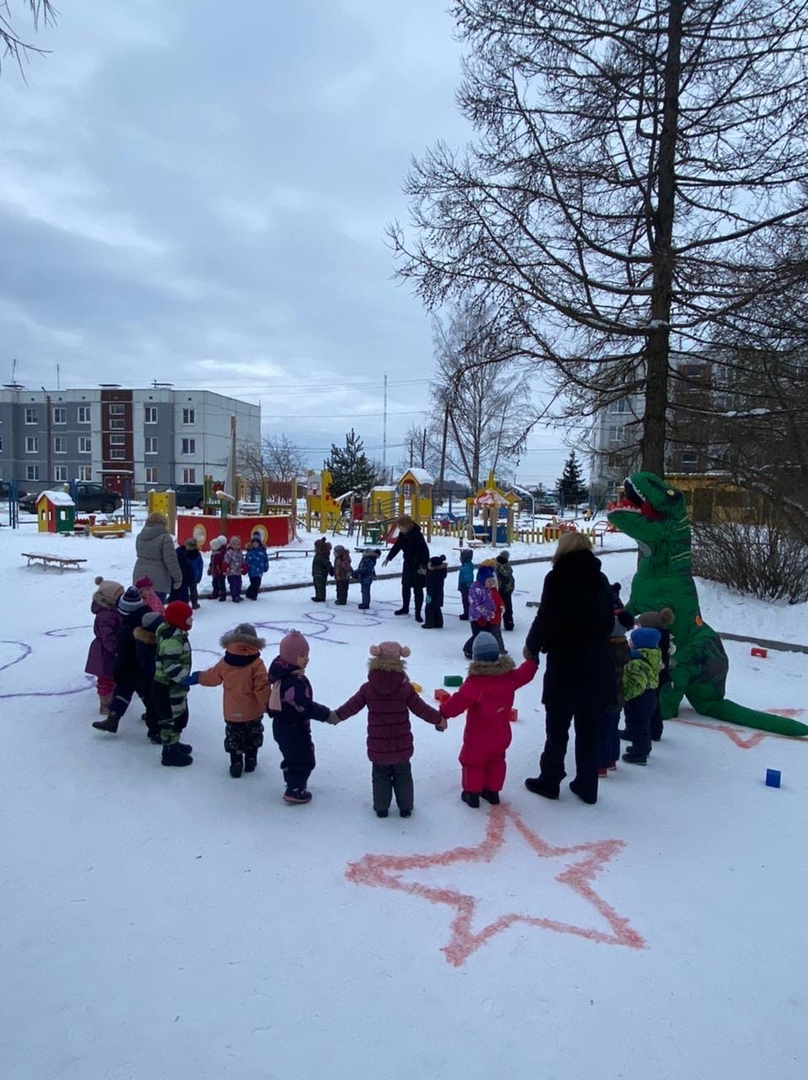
487, 698
389, 697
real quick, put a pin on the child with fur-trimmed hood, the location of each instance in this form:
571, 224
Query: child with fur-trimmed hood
320, 568
389, 697
101, 657
243, 677
487, 699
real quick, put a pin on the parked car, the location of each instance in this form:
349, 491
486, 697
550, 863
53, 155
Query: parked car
90, 499
189, 496
4, 491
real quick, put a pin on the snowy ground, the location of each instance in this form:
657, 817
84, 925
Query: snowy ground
179, 924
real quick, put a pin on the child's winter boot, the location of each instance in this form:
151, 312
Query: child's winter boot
471, 798
109, 723
250, 761
236, 765
172, 755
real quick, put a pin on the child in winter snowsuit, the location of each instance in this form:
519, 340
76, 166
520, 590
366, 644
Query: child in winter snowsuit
192, 566
465, 579
292, 709
101, 657
505, 586
487, 698
660, 620
482, 607
125, 671
243, 676
609, 719
172, 671
389, 697
366, 575
435, 582
145, 587
495, 626
343, 571
640, 688
145, 637
234, 568
257, 565
216, 569
320, 568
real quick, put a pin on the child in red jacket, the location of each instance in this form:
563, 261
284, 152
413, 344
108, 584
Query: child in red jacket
487, 697
389, 697
216, 569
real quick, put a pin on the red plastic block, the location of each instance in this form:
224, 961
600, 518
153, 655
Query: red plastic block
514, 716
441, 694
757, 651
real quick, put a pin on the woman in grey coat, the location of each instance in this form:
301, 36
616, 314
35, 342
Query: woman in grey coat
156, 557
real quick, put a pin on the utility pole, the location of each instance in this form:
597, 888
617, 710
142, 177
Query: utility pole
384, 431
442, 478
48, 447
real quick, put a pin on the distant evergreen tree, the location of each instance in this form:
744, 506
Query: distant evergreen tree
350, 467
571, 487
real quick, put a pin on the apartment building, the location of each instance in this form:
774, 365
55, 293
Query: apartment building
154, 438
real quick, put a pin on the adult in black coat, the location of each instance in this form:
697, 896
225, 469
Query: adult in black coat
415, 553
572, 627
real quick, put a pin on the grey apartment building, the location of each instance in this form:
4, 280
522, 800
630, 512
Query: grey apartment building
154, 438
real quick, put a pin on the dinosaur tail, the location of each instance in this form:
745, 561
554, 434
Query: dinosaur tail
739, 714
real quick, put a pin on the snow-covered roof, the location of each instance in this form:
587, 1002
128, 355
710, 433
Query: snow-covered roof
420, 476
57, 498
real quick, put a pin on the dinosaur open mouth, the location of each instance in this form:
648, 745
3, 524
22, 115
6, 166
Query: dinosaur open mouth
637, 502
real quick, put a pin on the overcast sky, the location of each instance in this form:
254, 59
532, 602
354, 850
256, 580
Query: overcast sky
197, 192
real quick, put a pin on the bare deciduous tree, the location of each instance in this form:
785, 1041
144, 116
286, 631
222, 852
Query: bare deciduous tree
275, 457
11, 44
630, 162
483, 404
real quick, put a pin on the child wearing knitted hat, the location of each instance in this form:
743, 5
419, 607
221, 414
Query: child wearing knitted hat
216, 570
465, 579
389, 697
171, 680
101, 657
640, 687
661, 621
292, 708
145, 587
487, 699
505, 587
242, 675
482, 607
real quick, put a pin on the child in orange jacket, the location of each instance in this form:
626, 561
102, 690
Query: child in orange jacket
487, 698
243, 674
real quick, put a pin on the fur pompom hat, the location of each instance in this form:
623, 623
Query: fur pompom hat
217, 543
437, 562
245, 633
657, 620
107, 592
389, 650
293, 646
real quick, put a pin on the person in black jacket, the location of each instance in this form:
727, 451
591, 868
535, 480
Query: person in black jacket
415, 553
435, 581
572, 626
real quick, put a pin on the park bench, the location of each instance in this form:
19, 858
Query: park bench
63, 562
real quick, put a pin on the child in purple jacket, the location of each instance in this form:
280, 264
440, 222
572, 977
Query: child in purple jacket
101, 657
389, 697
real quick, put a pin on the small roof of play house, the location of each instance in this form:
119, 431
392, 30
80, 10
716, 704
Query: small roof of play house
417, 476
56, 498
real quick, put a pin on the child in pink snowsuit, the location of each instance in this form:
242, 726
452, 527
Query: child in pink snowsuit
487, 698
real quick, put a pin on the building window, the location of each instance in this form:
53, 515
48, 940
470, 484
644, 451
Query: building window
151, 444
150, 414
117, 440
151, 474
31, 444
85, 444
31, 472
85, 472
1, 444
60, 474
117, 425
617, 435
189, 476
59, 414
189, 446
689, 460
84, 414
31, 416
618, 407
117, 410
117, 455
189, 416
59, 444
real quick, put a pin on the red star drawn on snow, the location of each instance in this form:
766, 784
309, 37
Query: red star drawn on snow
385, 871
736, 735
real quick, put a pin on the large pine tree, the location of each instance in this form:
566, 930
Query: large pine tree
570, 486
350, 467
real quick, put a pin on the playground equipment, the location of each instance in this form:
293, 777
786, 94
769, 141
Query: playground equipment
322, 508
490, 502
116, 526
772, 778
163, 502
415, 497
55, 512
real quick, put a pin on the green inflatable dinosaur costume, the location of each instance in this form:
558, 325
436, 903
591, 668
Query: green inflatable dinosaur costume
655, 515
